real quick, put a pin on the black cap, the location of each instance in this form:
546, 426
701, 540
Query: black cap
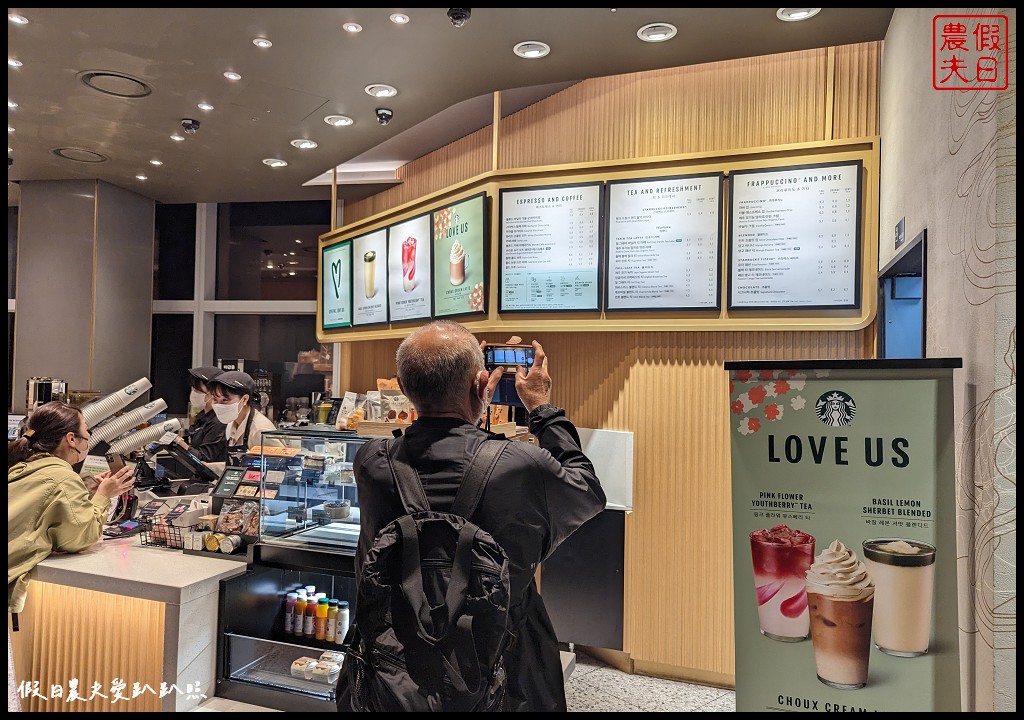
236, 381
205, 374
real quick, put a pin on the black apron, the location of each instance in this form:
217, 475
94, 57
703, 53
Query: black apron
237, 452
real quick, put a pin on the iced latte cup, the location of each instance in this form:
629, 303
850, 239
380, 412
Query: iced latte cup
840, 598
781, 558
369, 273
904, 576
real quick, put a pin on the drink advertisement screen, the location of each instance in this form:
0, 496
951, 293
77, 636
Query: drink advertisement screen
794, 237
409, 284
370, 278
664, 242
336, 286
844, 535
550, 250
460, 258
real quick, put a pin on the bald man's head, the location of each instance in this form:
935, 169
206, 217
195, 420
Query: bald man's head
438, 366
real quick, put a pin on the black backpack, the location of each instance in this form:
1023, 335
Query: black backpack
431, 621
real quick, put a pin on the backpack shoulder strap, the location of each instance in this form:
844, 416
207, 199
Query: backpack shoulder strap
407, 480
476, 476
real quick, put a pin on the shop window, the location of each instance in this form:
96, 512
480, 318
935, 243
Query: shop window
174, 255
268, 251
170, 359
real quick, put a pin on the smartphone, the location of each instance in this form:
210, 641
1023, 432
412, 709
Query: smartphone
115, 461
509, 357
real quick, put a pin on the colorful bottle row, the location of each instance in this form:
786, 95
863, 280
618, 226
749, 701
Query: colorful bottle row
314, 615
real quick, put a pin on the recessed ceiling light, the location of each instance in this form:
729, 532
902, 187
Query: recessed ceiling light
205, 106
275, 162
531, 49
232, 75
380, 90
302, 144
17, 19
292, 272
157, 163
10, 129
657, 32
141, 177
297, 240
14, 63
399, 18
352, 27
11, 104
338, 120
796, 14
262, 42
177, 138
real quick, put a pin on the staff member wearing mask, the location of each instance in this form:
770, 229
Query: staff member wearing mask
205, 436
235, 402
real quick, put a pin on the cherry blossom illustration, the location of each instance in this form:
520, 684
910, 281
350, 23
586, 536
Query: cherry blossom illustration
761, 396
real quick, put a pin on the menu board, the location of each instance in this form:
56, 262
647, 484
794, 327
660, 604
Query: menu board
664, 240
370, 278
550, 248
794, 237
460, 257
409, 289
336, 285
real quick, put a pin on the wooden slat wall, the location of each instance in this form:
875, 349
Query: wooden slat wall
69, 633
670, 388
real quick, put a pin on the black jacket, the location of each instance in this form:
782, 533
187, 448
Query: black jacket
206, 437
536, 497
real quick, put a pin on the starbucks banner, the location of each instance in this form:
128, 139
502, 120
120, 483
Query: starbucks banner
844, 536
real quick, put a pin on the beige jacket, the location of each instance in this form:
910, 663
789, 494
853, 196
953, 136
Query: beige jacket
48, 509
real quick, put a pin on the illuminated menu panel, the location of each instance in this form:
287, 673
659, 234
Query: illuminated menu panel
409, 271
794, 237
664, 241
370, 278
460, 257
550, 248
336, 286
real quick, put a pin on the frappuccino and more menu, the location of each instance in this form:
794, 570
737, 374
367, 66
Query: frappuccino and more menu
794, 237
550, 249
663, 243
844, 536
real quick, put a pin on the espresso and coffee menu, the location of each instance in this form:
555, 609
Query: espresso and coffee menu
663, 243
409, 271
370, 278
460, 258
794, 237
550, 248
336, 286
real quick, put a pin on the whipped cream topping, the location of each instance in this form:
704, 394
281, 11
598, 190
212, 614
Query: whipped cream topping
837, 572
457, 252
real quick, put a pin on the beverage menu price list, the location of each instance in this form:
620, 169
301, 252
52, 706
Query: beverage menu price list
663, 243
794, 237
550, 248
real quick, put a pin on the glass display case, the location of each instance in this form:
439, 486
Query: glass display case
307, 491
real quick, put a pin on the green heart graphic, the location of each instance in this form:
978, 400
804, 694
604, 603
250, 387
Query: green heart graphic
336, 276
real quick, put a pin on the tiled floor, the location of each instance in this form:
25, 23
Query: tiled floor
597, 687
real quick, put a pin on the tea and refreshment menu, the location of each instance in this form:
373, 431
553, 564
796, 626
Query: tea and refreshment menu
460, 239
794, 237
370, 278
549, 253
336, 286
409, 289
663, 243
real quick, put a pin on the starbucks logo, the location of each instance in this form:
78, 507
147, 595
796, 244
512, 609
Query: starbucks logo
835, 408
130, 390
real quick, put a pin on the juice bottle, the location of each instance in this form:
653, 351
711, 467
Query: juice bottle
289, 611
343, 618
300, 611
309, 619
320, 622
332, 620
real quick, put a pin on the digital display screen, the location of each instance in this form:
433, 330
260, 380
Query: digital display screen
459, 255
497, 355
229, 480
336, 286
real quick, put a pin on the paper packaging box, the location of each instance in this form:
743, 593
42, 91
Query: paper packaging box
207, 522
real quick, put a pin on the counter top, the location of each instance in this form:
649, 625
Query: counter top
124, 566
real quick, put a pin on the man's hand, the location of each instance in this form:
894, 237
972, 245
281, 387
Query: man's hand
534, 385
495, 375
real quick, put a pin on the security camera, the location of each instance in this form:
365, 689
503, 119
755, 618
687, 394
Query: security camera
458, 16
190, 126
384, 116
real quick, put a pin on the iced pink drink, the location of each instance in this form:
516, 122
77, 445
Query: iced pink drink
409, 264
781, 558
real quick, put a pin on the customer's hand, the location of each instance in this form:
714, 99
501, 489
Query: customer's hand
112, 484
534, 385
495, 375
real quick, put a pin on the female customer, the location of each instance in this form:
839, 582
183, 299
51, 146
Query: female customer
48, 505
205, 435
235, 402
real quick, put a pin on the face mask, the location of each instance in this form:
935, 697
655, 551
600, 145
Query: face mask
197, 399
82, 454
226, 413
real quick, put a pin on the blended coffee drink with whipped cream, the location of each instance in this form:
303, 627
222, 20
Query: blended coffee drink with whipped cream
904, 576
457, 262
781, 557
840, 598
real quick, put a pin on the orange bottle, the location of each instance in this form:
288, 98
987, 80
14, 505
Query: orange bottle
320, 623
300, 612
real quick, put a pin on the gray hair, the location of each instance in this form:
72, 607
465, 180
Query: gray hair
438, 375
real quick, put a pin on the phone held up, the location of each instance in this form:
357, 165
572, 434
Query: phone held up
510, 357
